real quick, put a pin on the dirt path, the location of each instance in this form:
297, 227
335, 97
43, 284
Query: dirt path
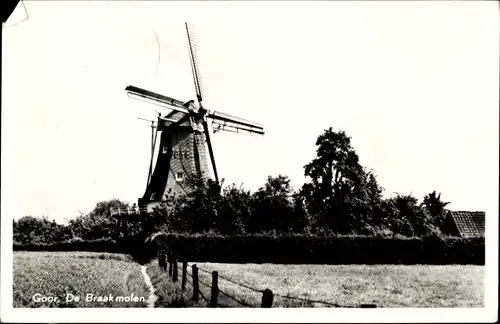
152, 296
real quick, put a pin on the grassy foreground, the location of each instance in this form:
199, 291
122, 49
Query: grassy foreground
344, 285
57, 274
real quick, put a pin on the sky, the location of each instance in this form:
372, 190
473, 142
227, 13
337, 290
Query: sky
414, 84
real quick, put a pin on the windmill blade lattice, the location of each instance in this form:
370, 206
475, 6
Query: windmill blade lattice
195, 62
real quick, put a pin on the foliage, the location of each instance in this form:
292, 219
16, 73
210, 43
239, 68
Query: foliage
234, 210
323, 249
436, 209
276, 207
99, 222
342, 194
29, 229
195, 212
340, 197
96, 231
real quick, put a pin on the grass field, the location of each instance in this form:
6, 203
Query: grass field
344, 285
56, 274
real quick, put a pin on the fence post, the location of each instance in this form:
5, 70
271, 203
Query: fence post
215, 289
158, 256
162, 259
184, 275
170, 265
196, 284
267, 299
174, 277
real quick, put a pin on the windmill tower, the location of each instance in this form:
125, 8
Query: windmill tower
185, 147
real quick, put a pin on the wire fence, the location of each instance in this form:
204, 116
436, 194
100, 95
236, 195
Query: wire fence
235, 299
234, 282
213, 301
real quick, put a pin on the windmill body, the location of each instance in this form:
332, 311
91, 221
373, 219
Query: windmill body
182, 152
185, 147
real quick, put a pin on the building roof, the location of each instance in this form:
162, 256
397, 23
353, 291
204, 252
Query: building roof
469, 223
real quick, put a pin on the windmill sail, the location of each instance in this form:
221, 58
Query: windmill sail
232, 123
176, 104
195, 63
210, 150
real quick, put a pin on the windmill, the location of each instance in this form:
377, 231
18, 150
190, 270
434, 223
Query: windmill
185, 145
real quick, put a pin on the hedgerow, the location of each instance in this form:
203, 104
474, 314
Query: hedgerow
338, 249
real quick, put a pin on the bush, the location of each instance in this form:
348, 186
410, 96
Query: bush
325, 249
74, 244
29, 229
135, 247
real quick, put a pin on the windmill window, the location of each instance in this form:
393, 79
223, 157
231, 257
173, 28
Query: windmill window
164, 150
179, 176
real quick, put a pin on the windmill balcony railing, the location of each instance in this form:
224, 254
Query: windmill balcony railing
127, 211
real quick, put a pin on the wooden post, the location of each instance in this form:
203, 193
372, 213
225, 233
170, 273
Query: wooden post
215, 289
170, 265
184, 275
174, 276
162, 260
267, 299
196, 284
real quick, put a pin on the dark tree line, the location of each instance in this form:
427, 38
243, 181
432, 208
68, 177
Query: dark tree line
340, 196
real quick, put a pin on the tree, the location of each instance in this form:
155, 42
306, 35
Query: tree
373, 192
302, 220
407, 217
365, 205
98, 223
436, 208
199, 210
235, 210
272, 206
35, 230
341, 192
